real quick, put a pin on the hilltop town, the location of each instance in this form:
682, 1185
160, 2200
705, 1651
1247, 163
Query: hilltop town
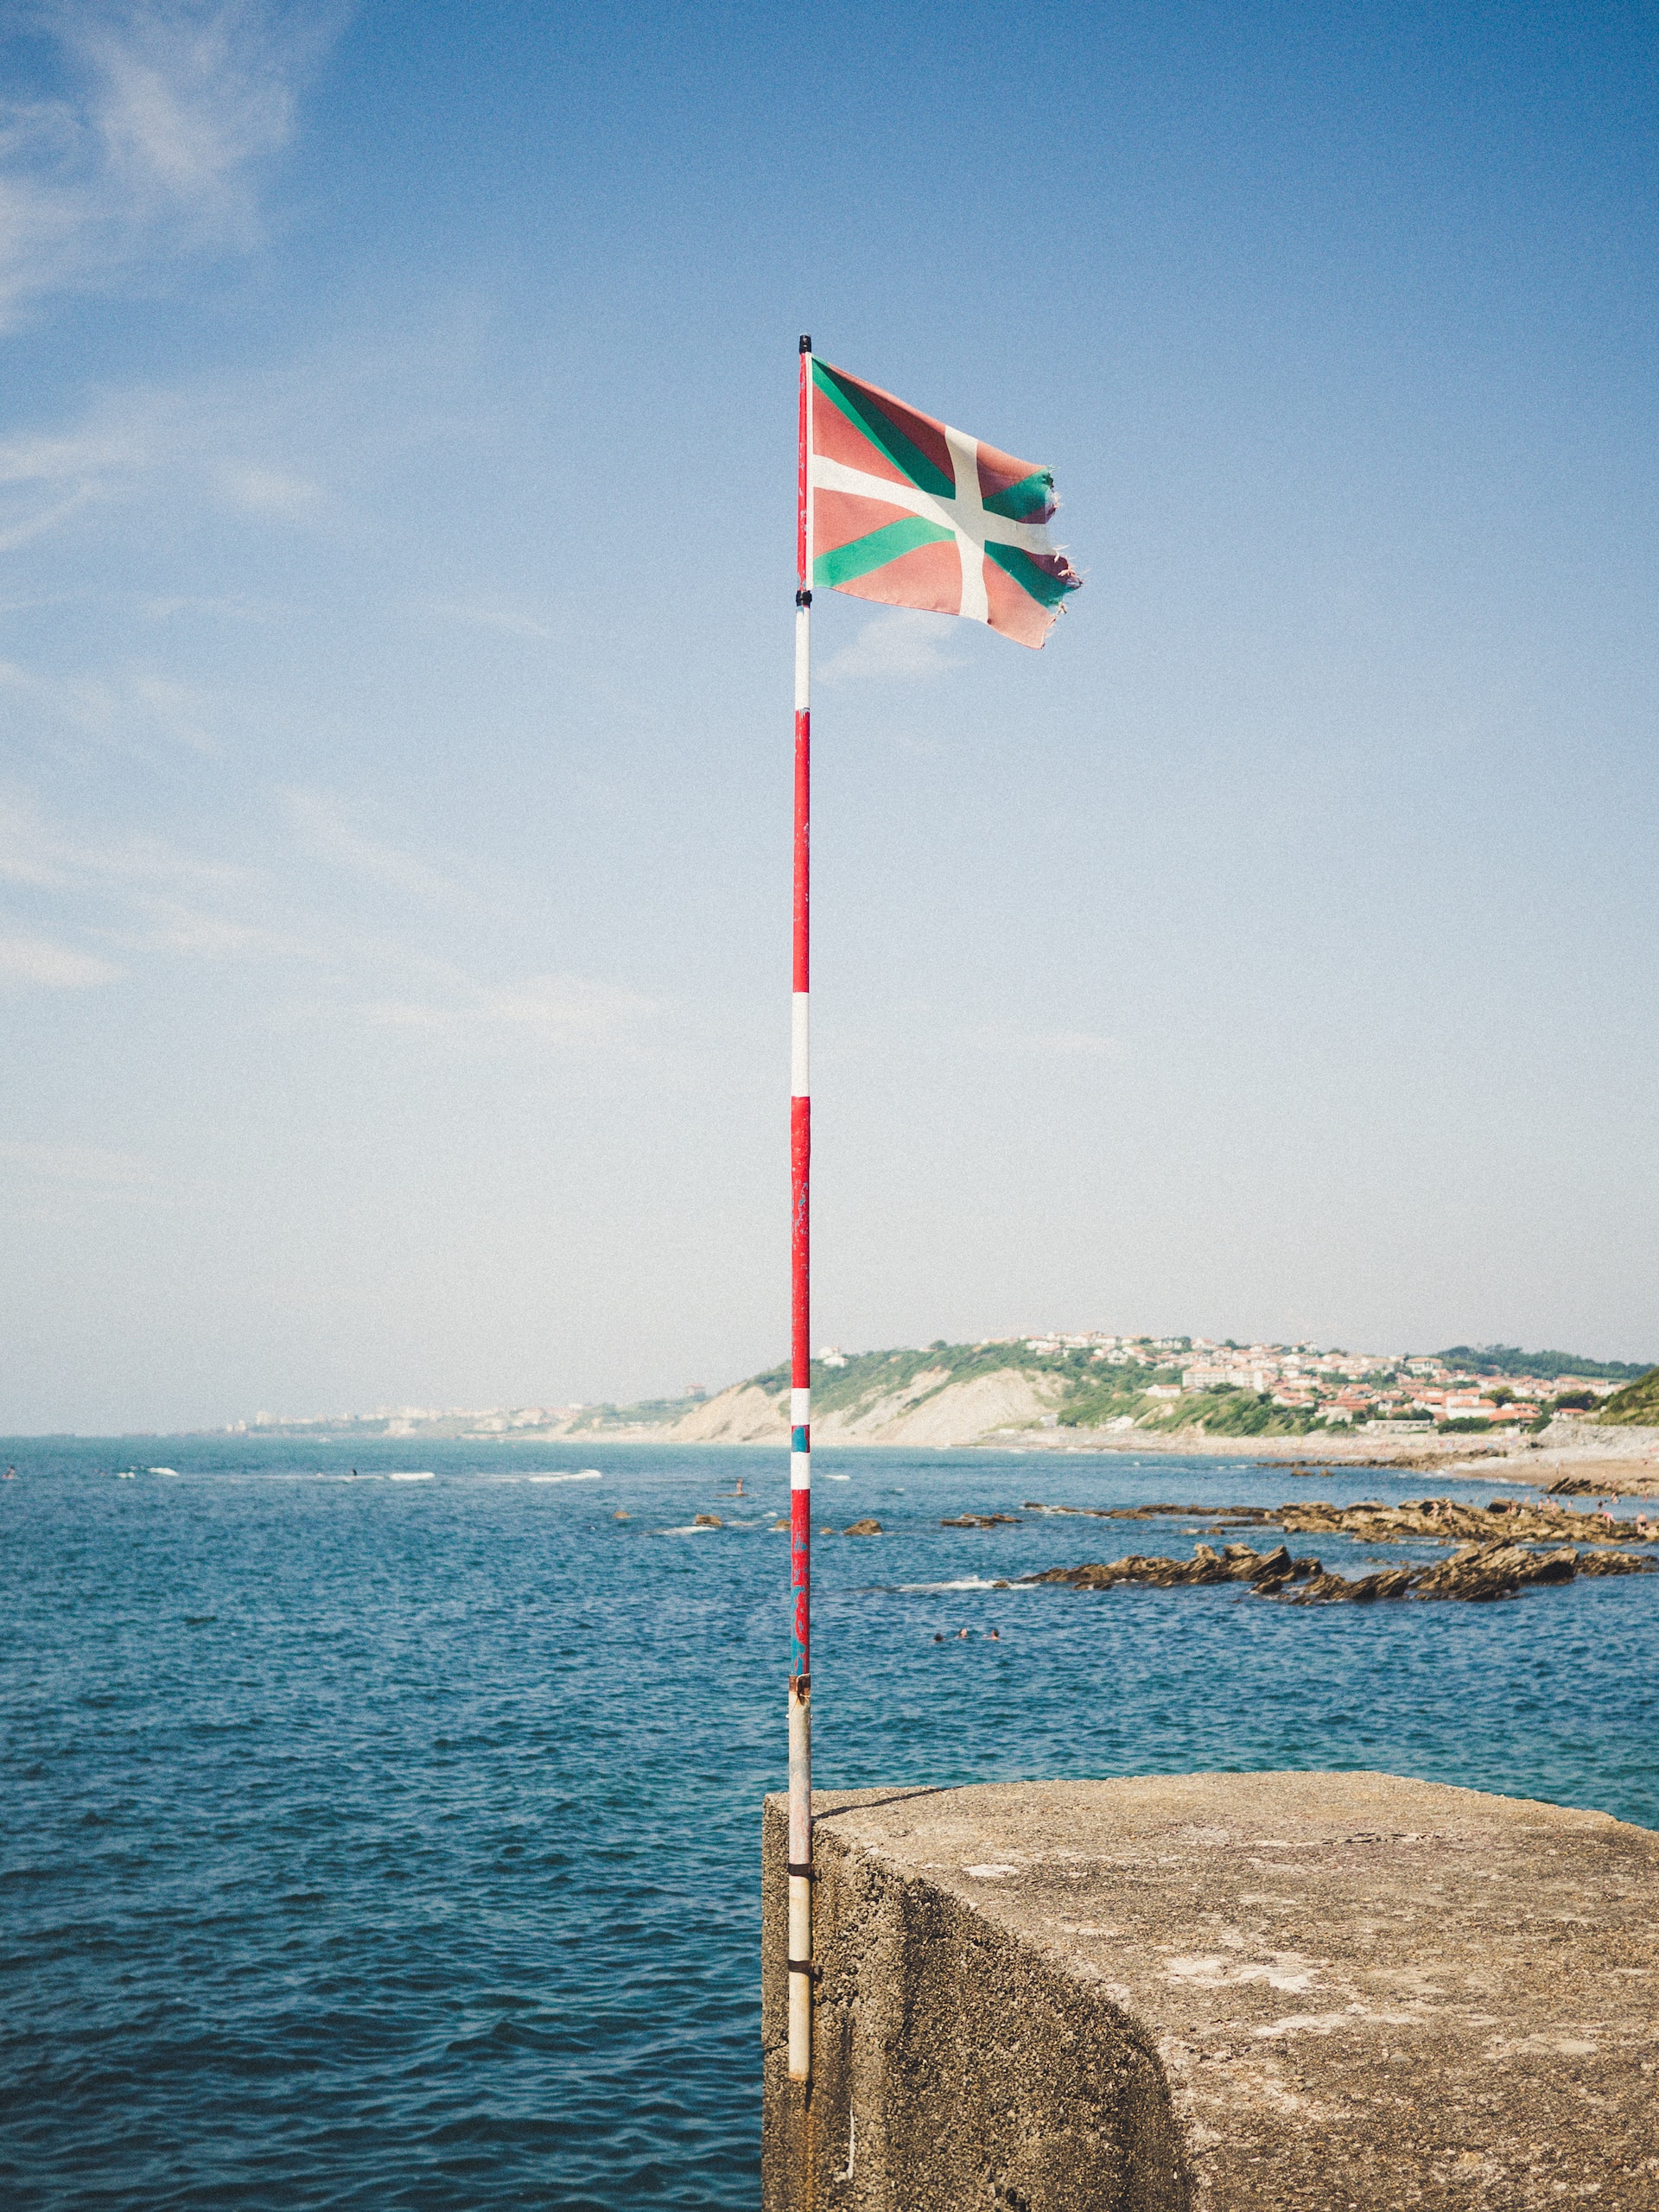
1494, 1388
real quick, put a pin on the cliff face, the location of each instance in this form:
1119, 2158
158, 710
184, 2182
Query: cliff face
929, 1408
744, 1413
954, 1412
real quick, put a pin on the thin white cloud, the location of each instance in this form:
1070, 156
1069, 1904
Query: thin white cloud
326, 827
510, 621
180, 712
261, 491
222, 445
227, 607
130, 706
171, 926
142, 899
158, 897
32, 852
42, 517
36, 961
560, 1009
294, 446
47, 478
563, 1005
157, 146
182, 97
905, 645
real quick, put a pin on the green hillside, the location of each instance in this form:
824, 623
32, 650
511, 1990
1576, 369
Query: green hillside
1092, 1393
867, 1376
1087, 1392
1637, 1403
1509, 1359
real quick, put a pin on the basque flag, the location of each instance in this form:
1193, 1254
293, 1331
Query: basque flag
912, 513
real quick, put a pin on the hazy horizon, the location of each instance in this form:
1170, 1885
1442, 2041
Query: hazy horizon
397, 486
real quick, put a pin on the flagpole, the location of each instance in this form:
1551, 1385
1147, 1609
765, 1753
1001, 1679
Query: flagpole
800, 1362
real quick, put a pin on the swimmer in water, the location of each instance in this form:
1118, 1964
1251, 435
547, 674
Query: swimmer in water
995, 1635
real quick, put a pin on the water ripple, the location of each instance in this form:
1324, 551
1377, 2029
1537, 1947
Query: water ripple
378, 1845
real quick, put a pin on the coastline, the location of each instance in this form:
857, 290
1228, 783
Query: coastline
1622, 1463
1626, 1463
1611, 1462
991, 1415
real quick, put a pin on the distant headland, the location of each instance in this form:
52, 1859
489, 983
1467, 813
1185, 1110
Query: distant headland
1092, 1391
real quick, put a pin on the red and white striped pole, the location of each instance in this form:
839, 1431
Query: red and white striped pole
800, 1351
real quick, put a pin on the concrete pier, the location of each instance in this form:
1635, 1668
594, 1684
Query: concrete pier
1289, 1993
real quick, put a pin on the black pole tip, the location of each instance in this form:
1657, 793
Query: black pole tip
806, 343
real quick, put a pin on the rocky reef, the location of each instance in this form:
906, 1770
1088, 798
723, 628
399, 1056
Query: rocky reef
1477, 1572
1442, 1520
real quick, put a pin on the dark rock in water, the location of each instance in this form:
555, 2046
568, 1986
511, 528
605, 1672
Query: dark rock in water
863, 1529
982, 1521
1483, 1571
1447, 1519
707, 1521
1323, 1589
1268, 1570
1442, 1520
1574, 1486
1477, 1572
1614, 1563
1245, 1516
1206, 1568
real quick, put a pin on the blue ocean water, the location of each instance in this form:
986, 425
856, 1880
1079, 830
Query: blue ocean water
375, 1843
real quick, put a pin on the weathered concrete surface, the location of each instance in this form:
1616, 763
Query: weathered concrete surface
1277, 1991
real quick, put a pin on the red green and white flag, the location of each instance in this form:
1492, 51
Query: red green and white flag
910, 512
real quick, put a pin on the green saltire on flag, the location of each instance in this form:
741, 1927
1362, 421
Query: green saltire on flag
909, 512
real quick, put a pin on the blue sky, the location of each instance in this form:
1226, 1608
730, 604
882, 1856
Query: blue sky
396, 514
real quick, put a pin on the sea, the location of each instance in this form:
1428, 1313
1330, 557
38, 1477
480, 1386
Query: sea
379, 1822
